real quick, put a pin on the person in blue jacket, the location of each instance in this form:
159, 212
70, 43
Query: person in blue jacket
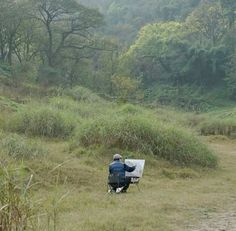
117, 171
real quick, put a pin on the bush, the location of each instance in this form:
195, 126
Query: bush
18, 147
42, 121
143, 135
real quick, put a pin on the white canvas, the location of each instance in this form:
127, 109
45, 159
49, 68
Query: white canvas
138, 172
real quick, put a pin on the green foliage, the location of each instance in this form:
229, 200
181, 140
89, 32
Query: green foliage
125, 18
5, 70
42, 121
188, 98
231, 78
125, 87
19, 147
49, 76
207, 23
140, 134
8, 104
195, 52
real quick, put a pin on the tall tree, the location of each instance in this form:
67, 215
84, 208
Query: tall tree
68, 26
229, 10
11, 17
208, 24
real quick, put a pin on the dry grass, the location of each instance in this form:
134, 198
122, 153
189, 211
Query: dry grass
72, 186
164, 203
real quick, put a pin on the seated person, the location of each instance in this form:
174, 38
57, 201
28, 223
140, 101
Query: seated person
117, 171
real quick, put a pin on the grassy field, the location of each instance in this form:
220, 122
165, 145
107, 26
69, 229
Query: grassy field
171, 198
66, 140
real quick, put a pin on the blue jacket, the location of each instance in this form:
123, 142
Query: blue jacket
120, 168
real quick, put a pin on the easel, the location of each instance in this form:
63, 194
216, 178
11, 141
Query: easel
135, 180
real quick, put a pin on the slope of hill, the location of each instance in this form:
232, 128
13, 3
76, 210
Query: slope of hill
63, 144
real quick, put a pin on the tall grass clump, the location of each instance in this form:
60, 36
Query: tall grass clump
218, 126
19, 147
16, 206
42, 121
64, 103
142, 134
130, 109
80, 109
79, 93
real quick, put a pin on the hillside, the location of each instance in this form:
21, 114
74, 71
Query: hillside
64, 141
83, 80
125, 18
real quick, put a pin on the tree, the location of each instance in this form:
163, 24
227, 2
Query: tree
231, 78
11, 18
68, 26
229, 11
161, 45
126, 88
207, 24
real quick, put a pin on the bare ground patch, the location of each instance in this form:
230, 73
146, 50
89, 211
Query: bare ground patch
225, 219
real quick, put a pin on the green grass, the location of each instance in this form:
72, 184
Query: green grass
171, 198
19, 147
141, 134
42, 121
7, 104
219, 122
83, 94
17, 208
189, 97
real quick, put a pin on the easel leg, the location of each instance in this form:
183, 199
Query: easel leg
138, 187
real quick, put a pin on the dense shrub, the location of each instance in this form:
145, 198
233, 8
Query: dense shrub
144, 135
42, 121
20, 148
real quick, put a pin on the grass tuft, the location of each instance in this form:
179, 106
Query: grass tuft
16, 206
224, 127
20, 148
140, 134
79, 93
42, 121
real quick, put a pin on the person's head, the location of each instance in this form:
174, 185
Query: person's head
117, 157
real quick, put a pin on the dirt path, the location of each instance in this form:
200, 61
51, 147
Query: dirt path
224, 220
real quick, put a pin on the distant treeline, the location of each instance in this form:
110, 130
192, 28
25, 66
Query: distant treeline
121, 48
